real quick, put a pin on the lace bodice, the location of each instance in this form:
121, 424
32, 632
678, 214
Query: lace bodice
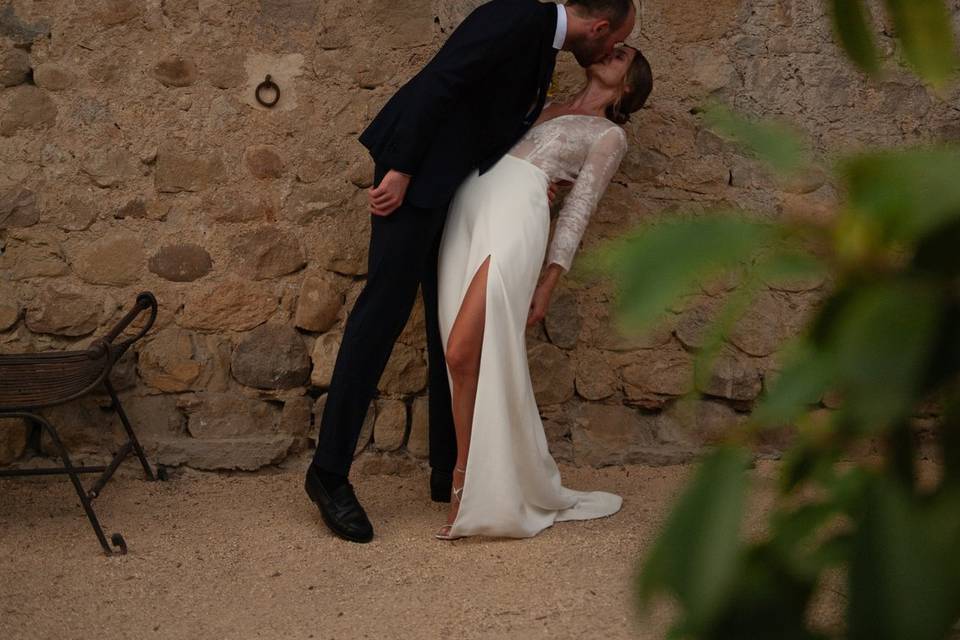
584, 149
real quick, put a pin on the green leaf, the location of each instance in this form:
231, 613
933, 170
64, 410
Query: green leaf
907, 193
655, 265
782, 264
905, 567
773, 143
789, 265
767, 601
851, 22
810, 462
790, 527
936, 251
924, 28
733, 308
696, 555
845, 487
820, 326
799, 465
883, 342
831, 553
805, 377
946, 360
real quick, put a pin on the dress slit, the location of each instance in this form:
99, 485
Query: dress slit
483, 348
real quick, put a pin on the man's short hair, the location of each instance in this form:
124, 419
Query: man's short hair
616, 11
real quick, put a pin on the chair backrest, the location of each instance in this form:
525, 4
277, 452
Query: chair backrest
35, 380
145, 300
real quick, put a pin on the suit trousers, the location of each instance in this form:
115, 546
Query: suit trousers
403, 256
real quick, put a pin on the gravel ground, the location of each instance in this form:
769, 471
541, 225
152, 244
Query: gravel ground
246, 556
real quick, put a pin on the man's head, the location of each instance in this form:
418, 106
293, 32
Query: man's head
597, 26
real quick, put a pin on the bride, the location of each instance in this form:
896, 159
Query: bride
505, 482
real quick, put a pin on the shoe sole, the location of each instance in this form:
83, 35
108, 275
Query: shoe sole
330, 525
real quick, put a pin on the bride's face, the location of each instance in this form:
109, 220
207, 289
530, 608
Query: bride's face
612, 69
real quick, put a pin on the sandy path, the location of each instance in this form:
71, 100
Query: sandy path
246, 556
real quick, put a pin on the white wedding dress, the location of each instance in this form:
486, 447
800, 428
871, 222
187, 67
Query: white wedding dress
512, 485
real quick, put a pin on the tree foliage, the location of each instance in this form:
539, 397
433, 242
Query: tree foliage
885, 341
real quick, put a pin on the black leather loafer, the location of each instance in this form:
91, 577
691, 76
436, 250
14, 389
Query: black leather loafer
440, 484
340, 509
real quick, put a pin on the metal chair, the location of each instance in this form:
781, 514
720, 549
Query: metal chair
32, 381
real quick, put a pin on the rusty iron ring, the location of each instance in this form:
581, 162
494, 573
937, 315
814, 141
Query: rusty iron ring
268, 84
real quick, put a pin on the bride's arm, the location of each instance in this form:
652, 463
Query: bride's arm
598, 169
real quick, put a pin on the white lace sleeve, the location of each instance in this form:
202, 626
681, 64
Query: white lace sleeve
598, 169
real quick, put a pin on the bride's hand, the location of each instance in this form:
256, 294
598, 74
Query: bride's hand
554, 188
544, 291
539, 304
552, 192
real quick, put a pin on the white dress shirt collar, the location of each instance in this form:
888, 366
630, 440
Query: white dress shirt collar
561, 34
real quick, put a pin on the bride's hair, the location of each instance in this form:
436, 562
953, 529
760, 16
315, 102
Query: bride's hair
639, 77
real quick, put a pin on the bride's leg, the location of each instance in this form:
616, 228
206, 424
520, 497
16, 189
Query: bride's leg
463, 359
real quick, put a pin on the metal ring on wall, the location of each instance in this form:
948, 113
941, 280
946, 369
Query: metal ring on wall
268, 84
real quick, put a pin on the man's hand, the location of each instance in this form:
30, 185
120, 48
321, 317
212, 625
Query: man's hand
385, 198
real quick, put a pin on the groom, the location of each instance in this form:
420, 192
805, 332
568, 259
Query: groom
463, 111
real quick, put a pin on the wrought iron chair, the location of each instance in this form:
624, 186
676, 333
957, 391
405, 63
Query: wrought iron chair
32, 381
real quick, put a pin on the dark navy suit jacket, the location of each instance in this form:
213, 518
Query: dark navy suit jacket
470, 104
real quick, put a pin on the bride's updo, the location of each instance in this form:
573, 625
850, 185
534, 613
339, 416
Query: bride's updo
639, 78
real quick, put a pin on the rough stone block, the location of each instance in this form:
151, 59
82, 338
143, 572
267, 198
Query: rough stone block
552, 374
595, 377
214, 454
54, 77
64, 311
268, 252
183, 170
406, 371
181, 262
391, 424
418, 443
14, 67
227, 415
27, 108
116, 259
235, 305
324, 356
318, 304
271, 357
175, 71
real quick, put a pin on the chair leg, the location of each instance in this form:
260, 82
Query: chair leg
116, 538
129, 429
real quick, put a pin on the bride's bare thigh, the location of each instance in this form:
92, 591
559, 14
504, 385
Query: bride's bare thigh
466, 336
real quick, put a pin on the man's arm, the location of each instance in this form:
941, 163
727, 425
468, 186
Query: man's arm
481, 42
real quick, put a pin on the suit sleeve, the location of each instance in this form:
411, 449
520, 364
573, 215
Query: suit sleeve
485, 39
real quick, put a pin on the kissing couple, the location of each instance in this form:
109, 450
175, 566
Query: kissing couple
466, 156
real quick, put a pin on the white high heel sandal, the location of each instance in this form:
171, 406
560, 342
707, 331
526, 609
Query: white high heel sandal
444, 532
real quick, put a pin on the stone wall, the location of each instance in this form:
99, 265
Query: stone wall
134, 156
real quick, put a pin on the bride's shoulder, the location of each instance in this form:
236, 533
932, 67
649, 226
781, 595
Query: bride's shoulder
613, 132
